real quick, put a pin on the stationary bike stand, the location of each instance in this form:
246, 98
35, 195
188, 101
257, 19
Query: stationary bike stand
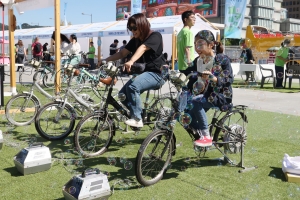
240, 164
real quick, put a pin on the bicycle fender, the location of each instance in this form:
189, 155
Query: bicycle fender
67, 104
33, 97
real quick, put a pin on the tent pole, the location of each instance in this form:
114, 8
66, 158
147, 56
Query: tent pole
12, 50
99, 51
174, 55
57, 45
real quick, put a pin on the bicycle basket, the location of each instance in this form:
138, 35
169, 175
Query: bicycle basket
178, 78
110, 69
70, 69
36, 64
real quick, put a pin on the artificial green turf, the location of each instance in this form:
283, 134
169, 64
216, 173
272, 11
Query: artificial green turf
270, 135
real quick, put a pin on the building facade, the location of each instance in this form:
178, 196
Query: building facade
273, 14
158, 8
293, 8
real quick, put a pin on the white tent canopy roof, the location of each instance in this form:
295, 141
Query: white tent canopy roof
164, 25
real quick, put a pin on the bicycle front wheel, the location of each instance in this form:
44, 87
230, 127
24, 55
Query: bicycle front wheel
21, 109
93, 135
154, 157
55, 121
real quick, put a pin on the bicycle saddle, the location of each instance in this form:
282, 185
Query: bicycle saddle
107, 80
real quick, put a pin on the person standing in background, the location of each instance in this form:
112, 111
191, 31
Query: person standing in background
280, 60
91, 56
21, 54
123, 60
247, 58
37, 49
185, 42
113, 48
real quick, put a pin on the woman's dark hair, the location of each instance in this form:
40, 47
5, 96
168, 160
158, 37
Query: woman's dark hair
219, 47
141, 23
73, 36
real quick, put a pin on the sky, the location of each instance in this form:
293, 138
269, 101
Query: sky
101, 10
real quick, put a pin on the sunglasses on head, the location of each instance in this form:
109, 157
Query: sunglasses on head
132, 28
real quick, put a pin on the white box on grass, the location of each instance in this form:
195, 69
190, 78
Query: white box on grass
33, 159
91, 185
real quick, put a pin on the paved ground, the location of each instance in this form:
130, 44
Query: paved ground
287, 103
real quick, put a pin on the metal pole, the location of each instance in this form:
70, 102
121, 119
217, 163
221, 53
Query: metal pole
57, 45
91, 18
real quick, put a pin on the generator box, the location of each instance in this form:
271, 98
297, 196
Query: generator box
33, 159
92, 185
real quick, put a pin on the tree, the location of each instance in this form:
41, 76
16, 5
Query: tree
231, 41
62, 23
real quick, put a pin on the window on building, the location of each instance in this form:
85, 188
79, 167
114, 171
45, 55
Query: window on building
297, 9
291, 3
298, 2
294, 9
119, 9
297, 16
282, 4
294, 2
290, 9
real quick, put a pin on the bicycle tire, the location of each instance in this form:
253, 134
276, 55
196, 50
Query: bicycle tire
9, 109
46, 80
86, 137
141, 154
41, 122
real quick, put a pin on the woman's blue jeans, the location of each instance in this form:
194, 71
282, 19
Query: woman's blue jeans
198, 112
135, 87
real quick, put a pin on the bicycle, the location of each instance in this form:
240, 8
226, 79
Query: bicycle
61, 113
155, 153
22, 108
94, 133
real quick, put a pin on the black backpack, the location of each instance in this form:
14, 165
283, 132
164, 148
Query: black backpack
37, 48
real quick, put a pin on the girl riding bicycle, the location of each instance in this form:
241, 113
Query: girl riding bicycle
147, 48
218, 92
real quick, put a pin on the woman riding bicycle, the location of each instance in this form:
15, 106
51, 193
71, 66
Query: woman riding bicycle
146, 47
73, 48
218, 92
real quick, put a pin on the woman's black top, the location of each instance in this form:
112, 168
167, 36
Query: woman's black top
154, 56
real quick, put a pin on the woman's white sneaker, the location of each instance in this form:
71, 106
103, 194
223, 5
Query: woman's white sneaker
134, 123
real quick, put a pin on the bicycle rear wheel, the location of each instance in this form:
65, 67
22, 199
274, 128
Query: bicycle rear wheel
93, 135
235, 133
55, 122
21, 109
154, 157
